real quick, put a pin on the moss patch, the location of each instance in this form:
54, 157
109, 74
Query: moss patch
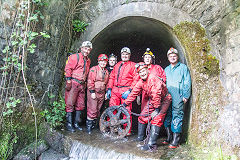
26, 131
207, 90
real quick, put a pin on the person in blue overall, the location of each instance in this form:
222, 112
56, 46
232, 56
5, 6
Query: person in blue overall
179, 86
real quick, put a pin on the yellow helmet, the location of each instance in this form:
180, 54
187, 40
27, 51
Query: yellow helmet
148, 51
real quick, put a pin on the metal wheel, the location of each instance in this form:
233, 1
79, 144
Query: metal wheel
112, 123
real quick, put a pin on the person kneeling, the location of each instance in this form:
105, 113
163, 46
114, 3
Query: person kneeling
156, 108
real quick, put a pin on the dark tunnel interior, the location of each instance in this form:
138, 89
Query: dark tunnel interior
137, 33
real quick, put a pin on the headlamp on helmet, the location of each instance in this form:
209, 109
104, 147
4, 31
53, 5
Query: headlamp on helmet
125, 49
87, 44
112, 55
172, 51
102, 57
148, 51
139, 66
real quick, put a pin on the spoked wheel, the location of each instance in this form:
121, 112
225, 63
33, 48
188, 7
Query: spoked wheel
112, 123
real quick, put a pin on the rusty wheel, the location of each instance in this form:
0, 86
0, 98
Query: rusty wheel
112, 123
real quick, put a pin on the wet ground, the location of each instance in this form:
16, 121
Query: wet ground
129, 145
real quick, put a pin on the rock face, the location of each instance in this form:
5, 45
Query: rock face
214, 120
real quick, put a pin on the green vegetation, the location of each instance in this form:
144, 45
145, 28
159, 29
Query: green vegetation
79, 26
7, 140
55, 113
14, 94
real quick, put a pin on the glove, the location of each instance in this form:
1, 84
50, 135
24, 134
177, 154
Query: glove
68, 85
154, 113
125, 94
109, 93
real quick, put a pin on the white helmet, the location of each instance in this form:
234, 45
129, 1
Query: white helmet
87, 44
125, 49
172, 50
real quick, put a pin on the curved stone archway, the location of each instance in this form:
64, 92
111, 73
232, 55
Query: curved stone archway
138, 26
137, 33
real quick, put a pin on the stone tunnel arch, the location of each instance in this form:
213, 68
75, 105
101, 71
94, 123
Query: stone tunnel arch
137, 33
138, 26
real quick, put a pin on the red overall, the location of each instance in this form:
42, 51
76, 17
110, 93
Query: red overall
78, 71
157, 71
121, 80
97, 81
156, 93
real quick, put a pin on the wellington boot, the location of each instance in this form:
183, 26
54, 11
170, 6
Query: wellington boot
94, 125
169, 136
175, 141
141, 131
89, 124
77, 120
69, 125
152, 143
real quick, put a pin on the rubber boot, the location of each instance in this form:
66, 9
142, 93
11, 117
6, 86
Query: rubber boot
77, 120
69, 124
175, 142
169, 136
89, 124
153, 139
94, 124
141, 131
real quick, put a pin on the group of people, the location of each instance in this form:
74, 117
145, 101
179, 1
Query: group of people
163, 92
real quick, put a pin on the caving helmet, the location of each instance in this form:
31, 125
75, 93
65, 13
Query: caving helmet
102, 57
172, 50
112, 55
139, 66
125, 49
149, 52
87, 44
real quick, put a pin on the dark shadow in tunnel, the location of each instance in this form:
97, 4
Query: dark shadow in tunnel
137, 33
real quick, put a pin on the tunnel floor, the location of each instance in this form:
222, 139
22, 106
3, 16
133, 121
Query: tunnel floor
128, 145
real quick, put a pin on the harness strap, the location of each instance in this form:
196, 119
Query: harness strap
80, 82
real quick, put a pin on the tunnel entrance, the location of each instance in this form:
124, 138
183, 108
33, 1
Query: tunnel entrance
138, 33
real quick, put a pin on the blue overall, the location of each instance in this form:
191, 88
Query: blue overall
179, 86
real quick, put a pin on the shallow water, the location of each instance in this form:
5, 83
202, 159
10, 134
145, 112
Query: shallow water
96, 146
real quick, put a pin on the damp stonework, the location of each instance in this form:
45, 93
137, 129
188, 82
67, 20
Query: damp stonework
207, 91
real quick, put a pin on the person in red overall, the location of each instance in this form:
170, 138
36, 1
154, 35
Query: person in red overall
76, 71
121, 81
155, 111
96, 86
149, 60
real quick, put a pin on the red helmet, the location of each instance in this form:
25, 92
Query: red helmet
102, 57
139, 66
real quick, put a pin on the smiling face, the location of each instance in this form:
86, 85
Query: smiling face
125, 56
102, 64
147, 59
143, 73
85, 51
173, 58
112, 61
